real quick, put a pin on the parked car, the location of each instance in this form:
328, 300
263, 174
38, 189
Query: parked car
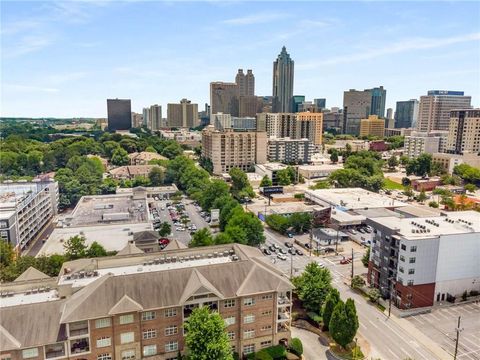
272, 248
292, 251
276, 246
360, 230
299, 252
267, 252
288, 244
329, 250
353, 232
281, 257
290, 235
283, 251
307, 245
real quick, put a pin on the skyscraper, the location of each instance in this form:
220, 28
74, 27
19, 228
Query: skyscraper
224, 98
435, 107
146, 117
183, 115
320, 104
356, 106
282, 92
379, 95
246, 83
119, 114
297, 101
155, 117
250, 106
406, 113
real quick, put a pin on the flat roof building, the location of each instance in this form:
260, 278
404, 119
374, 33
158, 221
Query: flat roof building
464, 132
119, 114
183, 115
290, 151
373, 126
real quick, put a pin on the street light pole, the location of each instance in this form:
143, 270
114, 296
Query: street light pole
458, 329
291, 264
352, 263
390, 298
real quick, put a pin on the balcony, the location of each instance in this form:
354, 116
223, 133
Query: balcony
54, 351
283, 316
283, 328
78, 328
79, 346
283, 301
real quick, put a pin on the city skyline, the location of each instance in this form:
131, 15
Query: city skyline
61, 60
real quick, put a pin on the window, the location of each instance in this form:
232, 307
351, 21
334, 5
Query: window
149, 334
267, 297
248, 349
413, 249
102, 323
412, 260
266, 312
149, 315
249, 319
410, 282
128, 355
104, 357
229, 303
249, 334
411, 271
104, 341
171, 346
404, 247
150, 350
249, 301
231, 335
265, 344
30, 353
126, 319
230, 320
266, 327
400, 269
171, 330
402, 258
170, 312
126, 338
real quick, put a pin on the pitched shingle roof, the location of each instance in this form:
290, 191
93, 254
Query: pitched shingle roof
31, 274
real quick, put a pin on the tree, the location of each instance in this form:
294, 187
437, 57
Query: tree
150, 149
172, 150
283, 177
296, 346
357, 282
392, 162
407, 191
300, 222
165, 229
366, 257
406, 181
6, 253
422, 196
420, 166
212, 191
278, 223
249, 223
265, 181
344, 323
75, 247
236, 234
119, 157
95, 250
404, 160
373, 295
468, 173
313, 285
222, 238
156, 176
470, 188
331, 301
206, 338
202, 237
433, 204
334, 156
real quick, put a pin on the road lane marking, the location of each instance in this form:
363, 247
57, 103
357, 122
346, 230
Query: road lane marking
373, 324
391, 352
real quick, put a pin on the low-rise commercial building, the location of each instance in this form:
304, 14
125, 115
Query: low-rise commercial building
25, 209
290, 151
271, 170
449, 161
318, 171
422, 261
134, 306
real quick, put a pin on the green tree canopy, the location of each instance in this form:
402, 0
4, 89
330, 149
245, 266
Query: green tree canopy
6, 253
95, 250
420, 166
249, 223
202, 237
265, 181
75, 247
313, 285
156, 176
119, 157
344, 323
331, 301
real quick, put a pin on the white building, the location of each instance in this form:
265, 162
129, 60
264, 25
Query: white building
25, 209
221, 121
418, 143
289, 151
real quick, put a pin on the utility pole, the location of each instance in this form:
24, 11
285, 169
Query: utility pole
352, 263
311, 235
458, 329
291, 265
390, 298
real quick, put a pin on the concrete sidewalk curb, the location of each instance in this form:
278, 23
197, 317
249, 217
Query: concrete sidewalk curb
429, 344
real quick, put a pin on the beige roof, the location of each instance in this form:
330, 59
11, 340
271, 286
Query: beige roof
125, 305
31, 274
7, 341
146, 236
197, 283
130, 249
133, 170
175, 245
146, 156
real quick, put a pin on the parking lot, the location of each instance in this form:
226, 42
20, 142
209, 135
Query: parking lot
440, 325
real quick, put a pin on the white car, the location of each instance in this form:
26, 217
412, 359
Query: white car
354, 232
281, 257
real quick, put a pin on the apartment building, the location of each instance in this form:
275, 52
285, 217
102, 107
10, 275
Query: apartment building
373, 126
25, 209
464, 132
228, 149
418, 143
421, 261
310, 126
134, 306
290, 151
183, 115
278, 125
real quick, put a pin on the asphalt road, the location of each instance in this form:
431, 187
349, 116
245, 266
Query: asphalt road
37, 243
387, 338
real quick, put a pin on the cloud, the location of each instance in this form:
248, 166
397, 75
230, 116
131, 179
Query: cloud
28, 44
29, 88
260, 18
20, 26
405, 45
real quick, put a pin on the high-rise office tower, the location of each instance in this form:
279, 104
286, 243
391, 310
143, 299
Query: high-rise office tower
146, 117
297, 101
379, 95
119, 114
406, 114
250, 106
155, 117
282, 92
464, 132
320, 104
435, 107
183, 115
356, 106
224, 98
245, 82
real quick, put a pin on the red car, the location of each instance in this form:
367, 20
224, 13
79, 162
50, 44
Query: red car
345, 261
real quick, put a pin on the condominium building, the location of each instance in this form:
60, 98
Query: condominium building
25, 209
406, 114
464, 132
310, 125
356, 106
332, 119
244, 123
155, 118
435, 107
183, 115
422, 261
119, 114
146, 117
290, 151
373, 126
279, 125
224, 98
137, 120
418, 143
283, 69
229, 149
134, 306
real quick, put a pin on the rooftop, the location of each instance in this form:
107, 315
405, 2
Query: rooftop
460, 222
352, 198
271, 166
14, 193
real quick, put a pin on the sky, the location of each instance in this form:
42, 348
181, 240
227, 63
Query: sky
64, 59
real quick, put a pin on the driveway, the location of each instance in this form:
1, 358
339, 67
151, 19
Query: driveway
312, 349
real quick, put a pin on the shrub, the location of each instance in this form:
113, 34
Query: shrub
276, 352
433, 204
263, 355
373, 295
474, 293
357, 282
296, 346
314, 316
464, 295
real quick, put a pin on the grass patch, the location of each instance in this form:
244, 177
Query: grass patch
351, 353
380, 307
392, 185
